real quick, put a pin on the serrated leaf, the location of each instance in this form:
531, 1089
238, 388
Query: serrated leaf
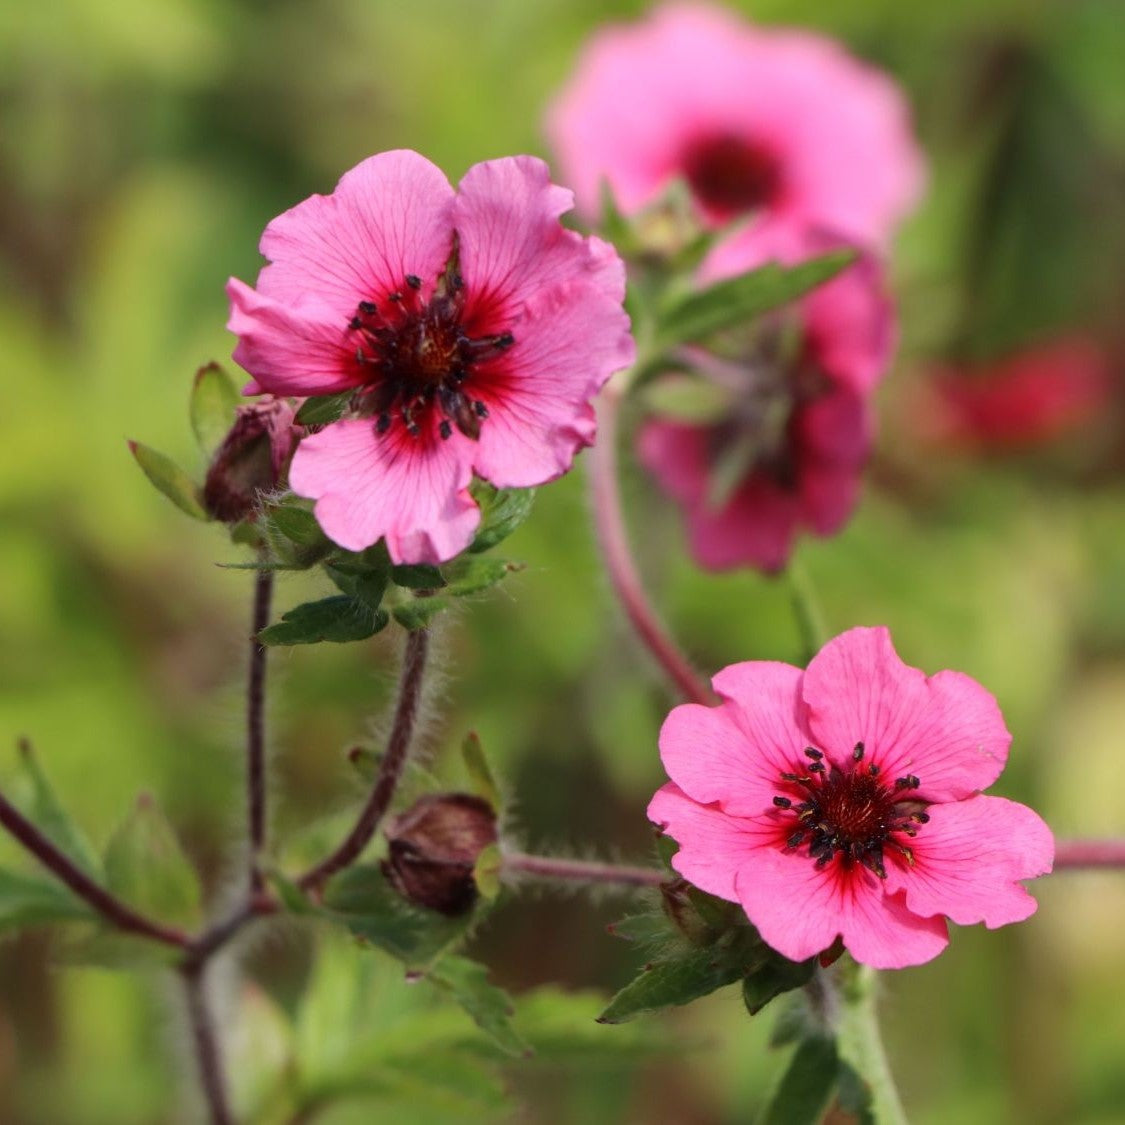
687, 398
673, 981
171, 480
469, 575
47, 814
773, 978
417, 576
419, 612
803, 1095
214, 400
481, 781
490, 1007
362, 899
337, 619
366, 583
323, 409
27, 901
695, 315
146, 867
502, 511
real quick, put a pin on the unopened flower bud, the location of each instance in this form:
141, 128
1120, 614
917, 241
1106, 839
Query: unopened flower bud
434, 847
251, 460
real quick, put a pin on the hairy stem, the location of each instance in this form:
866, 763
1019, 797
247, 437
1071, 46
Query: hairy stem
390, 768
614, 542
206, 1044
1077, 854
581, 871
255, 727
108, 905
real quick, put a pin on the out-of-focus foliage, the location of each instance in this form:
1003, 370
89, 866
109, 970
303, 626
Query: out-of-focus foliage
143, 146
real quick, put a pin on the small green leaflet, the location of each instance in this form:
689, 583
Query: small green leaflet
171, 480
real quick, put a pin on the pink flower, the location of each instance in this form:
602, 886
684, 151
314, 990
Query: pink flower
1022, 401
784, 122
844, 801
800, 425
471, 327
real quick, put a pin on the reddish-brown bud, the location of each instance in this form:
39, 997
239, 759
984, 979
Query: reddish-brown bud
434, 847
251, 460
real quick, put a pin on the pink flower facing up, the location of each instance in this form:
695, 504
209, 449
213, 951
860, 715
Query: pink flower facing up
844, 802
471, 328
800, 424
782, 122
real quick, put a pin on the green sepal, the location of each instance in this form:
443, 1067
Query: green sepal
804, 1094
27, 901
468, 575
362, 899
296, 537
486, 872
490, 1007
146, 867
502, 511
171, 480
481, 780
666, 848
776, 976
641, 929
694, 315
323, 409
418, 613
365, 582
417, 576
214, 401
338, 619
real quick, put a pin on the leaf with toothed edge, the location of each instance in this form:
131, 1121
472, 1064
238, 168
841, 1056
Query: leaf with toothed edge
337, 619
490, 1007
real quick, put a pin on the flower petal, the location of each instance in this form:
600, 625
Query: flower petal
389, 216
735, 753
411, 491
800, 911
289, 352
713, 845
969, 858
945, 729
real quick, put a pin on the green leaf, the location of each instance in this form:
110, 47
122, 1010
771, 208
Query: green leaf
489, 1006
673, 981
170, 479
419, 612
481, 781
469, 575
48, 815
502, 511
855, 1095
687, 398
322, 409
773, 978
805, 1091
643, 929
147, 868
699, 313
362, 899
110, 949
296, 537
417, 577
27, 901
214, 400
366, 582
337, 619
292, 897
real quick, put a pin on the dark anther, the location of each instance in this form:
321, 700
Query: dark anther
505, 340
921, 817
907, 782
414, 281
445, 429
396, 296
816, 755
382, 423
816, 767
355, 323
782, 802
367, 308
858, 752
873, 769
479, 409
795, 839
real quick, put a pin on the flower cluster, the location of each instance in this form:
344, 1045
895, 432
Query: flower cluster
813, 150
843, 802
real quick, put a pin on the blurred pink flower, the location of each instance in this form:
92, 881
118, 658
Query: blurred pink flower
471, 327
844, 801
800, 424
1024, 400
784, 122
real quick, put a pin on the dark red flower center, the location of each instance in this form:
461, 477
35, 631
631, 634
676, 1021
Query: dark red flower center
850, 811
730, 174
415, 357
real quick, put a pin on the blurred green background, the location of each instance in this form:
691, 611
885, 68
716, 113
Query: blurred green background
144, 145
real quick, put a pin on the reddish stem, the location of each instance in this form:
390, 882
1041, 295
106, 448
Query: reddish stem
207, 1051
1072, 854
108, 905
623, 574
390, 768
582, 871
255, 728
